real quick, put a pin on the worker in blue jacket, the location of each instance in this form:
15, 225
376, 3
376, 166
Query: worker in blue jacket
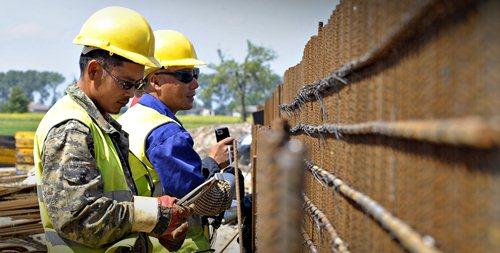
161, 142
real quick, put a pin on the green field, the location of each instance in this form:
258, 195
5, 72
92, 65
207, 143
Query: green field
11, 123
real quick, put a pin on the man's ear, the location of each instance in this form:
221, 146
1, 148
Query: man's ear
154, 82
94, 70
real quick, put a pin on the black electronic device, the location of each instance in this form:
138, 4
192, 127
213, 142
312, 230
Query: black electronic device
221, 133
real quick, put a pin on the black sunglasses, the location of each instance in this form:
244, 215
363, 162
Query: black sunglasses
184, 75
126, 85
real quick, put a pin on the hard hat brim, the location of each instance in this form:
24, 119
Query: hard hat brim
182, 62
176, 63
135, 57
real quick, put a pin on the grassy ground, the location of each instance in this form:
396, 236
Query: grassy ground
11, 123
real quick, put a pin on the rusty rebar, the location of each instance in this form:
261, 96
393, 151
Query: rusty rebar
280, 184
309, 242
470, 131
409, 238
322, 222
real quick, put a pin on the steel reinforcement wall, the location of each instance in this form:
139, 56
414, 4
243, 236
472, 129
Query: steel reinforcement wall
398, 106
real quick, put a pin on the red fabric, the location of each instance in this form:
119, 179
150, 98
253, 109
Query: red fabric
167, 201
135, 99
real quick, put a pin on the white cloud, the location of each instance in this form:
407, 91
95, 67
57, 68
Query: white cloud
24, 30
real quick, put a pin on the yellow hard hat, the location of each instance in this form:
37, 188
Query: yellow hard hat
122, 31
173, 48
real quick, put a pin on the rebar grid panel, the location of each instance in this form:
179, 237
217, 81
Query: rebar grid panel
422, 13
279, 186
444, 68
410, 239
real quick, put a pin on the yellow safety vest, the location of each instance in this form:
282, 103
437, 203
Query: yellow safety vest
138, 121
108, 162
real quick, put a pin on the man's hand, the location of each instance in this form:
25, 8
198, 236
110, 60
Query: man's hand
174, 240
176, 230
219, 152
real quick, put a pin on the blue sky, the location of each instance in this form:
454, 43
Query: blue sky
38, 34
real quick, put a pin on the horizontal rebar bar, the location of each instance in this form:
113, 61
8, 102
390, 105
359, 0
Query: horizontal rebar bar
322, 221
470, 131
409, 238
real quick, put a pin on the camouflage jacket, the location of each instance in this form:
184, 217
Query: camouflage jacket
73, 188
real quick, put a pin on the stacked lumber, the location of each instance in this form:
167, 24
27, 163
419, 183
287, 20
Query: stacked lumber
22, 209
24, 151
19, 214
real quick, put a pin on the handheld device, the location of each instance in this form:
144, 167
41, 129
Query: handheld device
220, 134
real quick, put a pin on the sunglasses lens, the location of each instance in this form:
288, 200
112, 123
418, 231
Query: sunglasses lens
186, 77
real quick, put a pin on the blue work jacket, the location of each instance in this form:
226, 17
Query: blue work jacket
169, 148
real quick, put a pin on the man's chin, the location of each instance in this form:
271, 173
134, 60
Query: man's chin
114, 110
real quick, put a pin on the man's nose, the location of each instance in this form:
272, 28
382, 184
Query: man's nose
194, 84
130, 92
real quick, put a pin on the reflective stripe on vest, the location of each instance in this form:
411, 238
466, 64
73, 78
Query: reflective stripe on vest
108, 162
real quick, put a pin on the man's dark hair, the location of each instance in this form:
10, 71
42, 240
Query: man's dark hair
103, 57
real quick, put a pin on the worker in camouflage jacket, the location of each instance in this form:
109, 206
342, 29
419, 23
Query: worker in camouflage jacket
94, 196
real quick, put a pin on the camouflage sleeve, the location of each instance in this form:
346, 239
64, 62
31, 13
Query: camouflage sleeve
72, 189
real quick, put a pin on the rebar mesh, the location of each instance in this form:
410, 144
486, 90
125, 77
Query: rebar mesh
399, 99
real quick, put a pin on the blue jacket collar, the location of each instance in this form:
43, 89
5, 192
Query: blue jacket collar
154, 103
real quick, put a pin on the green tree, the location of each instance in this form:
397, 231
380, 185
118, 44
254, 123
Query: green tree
235, 84
18, 101
31, 81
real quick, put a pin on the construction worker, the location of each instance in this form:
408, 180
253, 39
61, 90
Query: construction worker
88, 199
160, 141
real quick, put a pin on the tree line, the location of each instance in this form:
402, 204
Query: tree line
229, 84
18, 88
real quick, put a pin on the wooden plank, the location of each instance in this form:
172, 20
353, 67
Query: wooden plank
20, 195
28, 229
4, 191
19, 204
26, 216
18, 212
18, 223
12, 179
7, 172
